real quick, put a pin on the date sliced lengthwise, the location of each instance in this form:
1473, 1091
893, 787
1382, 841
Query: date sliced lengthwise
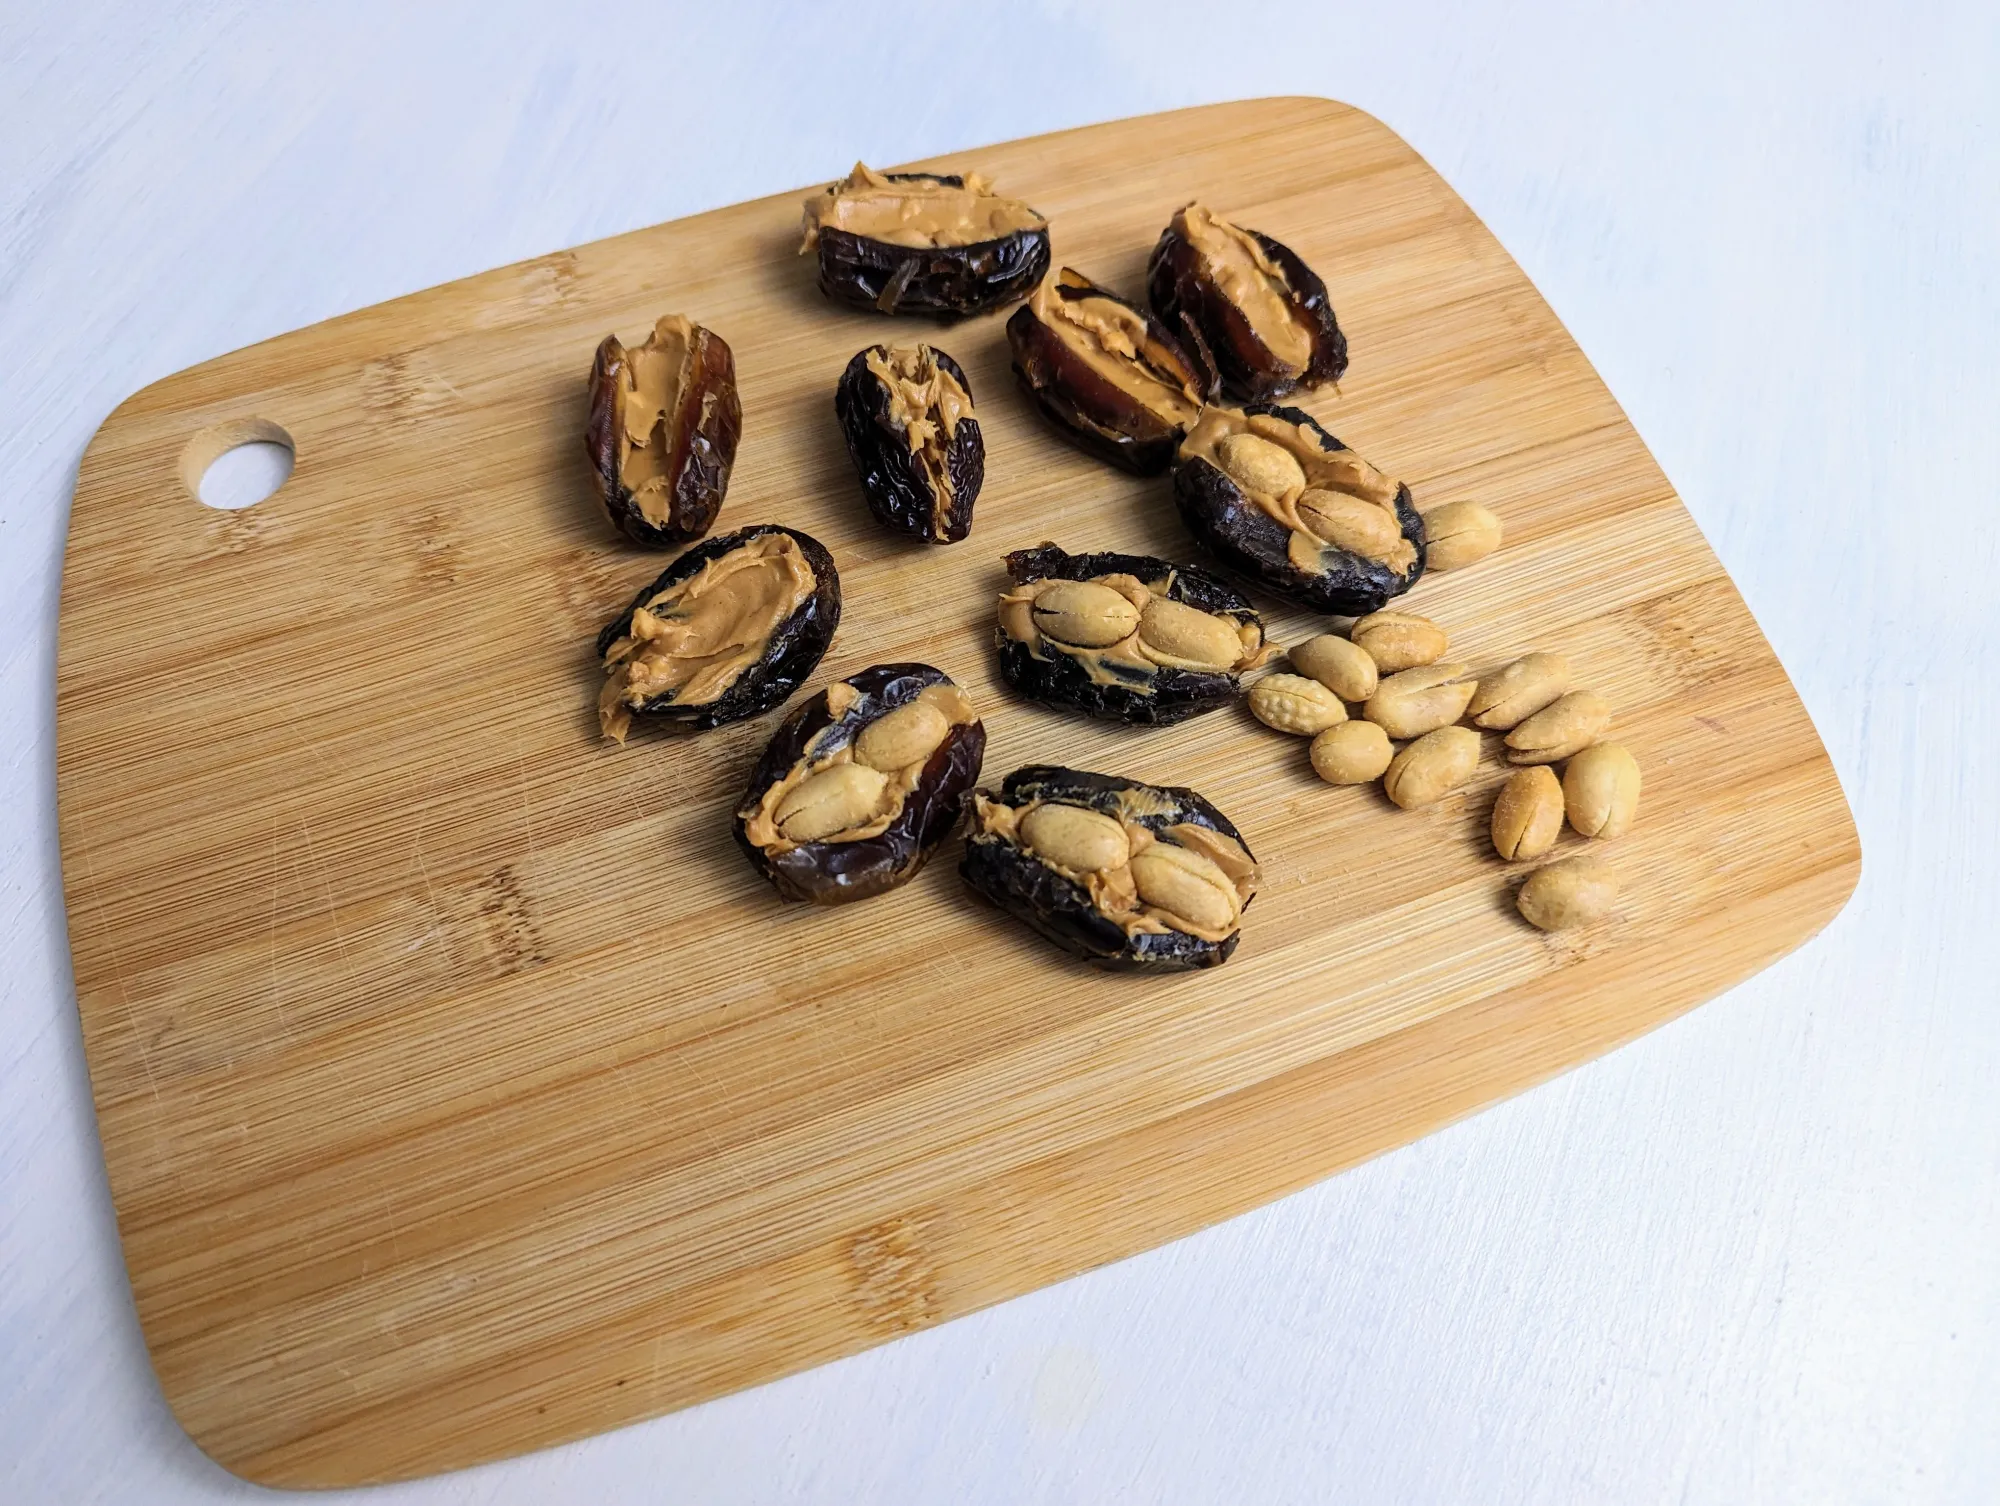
1274, 495
907, 414
924, 243
1255, 312
729, 630
1107, 373
1127, 637
662, 432
1123, 874
861, 784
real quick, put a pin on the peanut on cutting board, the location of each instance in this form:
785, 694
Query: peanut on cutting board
1341, 666
1432, 767
1459, 534
1510, 696
1399, 640
1352, 753
1293, 703
1528, 816
1600, 790
1572, 892
1564, 727
1412, 702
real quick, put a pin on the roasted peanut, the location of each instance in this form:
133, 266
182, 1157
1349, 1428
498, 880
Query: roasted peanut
1460, 534
830, 801
1415, 701
1400, 640
1292, 703
1562, 728
1432, 767
1601, 790
1073, 837
1084, 613
1573, 892
1185, 885
1350, 523
1342, 667
1256, 464
1351, 753
1528, 816
1510, 696
1184, 637
907, 735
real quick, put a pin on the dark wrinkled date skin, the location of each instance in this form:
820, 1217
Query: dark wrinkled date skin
1059, 907
1191, 304
943, 282
1094, 414
791, 654
834, 873
897, 490
1248, 539
704, 430
1162, 697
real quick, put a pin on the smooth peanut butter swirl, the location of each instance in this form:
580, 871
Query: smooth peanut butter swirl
651, 380
916, 212
858, 790
1326, 498
1115, 343
1183, 877
926, 406
1123, 631
693, 639
1254, 283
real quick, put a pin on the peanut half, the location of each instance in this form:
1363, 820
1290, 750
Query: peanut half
1342, 667
1432, 767
1400, 640
1528, 816
830, 801
1564, 727
1601, 790
1415, 701
1573, 892
1351, 753
1512, 695
1292, 703
1459, 534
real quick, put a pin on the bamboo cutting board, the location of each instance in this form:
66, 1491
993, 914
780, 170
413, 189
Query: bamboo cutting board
463, 1091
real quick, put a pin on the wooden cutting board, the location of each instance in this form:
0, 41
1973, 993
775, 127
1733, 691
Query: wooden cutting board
462, 1089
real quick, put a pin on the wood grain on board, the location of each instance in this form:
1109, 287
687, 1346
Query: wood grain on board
463, 1090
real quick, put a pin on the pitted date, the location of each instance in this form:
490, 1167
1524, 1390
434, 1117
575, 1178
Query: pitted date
1123, 874
861, 784
662, 432
907, 415
1127, 637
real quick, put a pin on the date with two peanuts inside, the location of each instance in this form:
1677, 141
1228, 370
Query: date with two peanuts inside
1393, 666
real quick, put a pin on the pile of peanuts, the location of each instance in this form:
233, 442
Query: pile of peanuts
1392, 665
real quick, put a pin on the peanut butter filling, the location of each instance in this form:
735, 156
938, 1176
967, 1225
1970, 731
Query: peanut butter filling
1114, 891
916, 213
695, 638
1251, 281
954, 709
926, 406
651, 382
1158, 638
1114, 342
1338, 471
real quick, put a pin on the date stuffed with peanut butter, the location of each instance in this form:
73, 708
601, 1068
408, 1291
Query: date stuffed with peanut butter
1123, 874
1124, 636
728, 630
1274, 495
662, 433
861, 784
1253, 310
924, 243
906, 412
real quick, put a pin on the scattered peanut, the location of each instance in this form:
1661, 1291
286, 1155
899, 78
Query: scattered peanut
1292, 703
1564, 727
1572, 892
1528, 816
1415, 701
1351, 753
1342, 667
1601, 790
1511, 696
1460, 534
1400, 640
1432, 767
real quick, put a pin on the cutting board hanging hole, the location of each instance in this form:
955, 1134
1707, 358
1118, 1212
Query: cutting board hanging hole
237, 464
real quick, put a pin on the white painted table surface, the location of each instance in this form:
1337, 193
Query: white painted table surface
1753, 1258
